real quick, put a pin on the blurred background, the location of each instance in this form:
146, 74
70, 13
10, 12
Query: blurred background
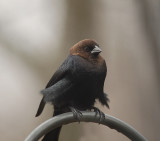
35, 37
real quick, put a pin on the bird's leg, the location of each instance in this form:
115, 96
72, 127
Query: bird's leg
77, 114
98, 112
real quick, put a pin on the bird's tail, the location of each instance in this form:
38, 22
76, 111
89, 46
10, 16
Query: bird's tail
53, 135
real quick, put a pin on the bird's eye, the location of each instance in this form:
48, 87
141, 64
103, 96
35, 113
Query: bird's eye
87, 49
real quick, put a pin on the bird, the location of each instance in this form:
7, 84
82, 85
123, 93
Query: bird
76, 84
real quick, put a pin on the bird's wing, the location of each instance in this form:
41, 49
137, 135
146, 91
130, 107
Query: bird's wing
57, 91
58, 75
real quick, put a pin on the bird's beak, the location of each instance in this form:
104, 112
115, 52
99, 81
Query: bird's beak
96, 50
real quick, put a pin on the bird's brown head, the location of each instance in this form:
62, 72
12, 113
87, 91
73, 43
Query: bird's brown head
88, 49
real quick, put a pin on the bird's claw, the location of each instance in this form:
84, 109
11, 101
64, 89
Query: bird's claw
77, 114
100, 113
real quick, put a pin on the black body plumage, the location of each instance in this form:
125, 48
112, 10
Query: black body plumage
77, 83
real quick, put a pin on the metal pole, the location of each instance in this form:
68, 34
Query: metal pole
67, 118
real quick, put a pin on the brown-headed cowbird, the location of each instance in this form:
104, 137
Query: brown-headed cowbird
76, 84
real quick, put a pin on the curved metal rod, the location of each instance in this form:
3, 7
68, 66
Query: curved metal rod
67, 118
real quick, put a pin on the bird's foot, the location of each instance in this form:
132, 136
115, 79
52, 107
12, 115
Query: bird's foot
77, 114
100, 113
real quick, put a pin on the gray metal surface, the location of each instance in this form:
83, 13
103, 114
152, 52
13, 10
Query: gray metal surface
66, 118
